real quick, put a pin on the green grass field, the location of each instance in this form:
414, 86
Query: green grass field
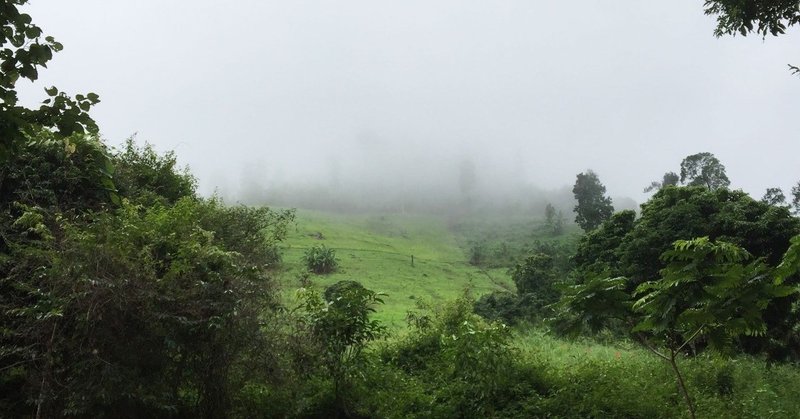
377, 250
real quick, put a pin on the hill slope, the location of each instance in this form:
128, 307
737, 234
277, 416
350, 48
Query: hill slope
377, 250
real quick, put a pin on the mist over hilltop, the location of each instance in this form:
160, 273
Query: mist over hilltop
379, 97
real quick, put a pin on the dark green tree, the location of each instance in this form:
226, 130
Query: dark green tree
535, 278
597, 251
703, 169
593, 206
796, 198
534, 275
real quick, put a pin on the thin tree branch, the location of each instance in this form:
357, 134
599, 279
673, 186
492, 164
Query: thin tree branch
644, 342
691, 338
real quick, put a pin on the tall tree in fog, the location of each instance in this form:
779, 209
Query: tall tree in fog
796, 197
554, 219
774, 197
669, 179
593, 206
703, 169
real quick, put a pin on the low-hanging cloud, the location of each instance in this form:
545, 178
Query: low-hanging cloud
373, 96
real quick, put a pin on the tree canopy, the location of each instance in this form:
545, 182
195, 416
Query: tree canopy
703, 169
593, 206
764, 17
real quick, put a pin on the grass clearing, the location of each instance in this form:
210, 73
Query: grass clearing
377, 250
601, 379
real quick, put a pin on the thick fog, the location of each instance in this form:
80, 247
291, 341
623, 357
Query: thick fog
290, 101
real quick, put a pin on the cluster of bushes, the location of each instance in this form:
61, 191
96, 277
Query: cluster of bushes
133, 296
453, 363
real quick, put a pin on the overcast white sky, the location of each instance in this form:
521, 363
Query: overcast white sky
540, 89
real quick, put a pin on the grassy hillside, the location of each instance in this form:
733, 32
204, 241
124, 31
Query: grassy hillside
377, 250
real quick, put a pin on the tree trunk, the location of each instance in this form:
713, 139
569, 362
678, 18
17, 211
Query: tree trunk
48, 367
681, 384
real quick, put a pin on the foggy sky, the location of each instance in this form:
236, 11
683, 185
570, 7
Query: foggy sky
308, 91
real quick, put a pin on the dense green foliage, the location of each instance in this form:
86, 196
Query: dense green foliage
597, 251
84, 281
633, 249
536, 275
69, 174
143, 175
689, 212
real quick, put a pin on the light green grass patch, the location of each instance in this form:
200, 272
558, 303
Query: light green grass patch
377, 249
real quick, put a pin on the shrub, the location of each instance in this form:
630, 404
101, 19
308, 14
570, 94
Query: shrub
507, 307
321, 259
340, 325
84, 278
466, 363
145, 176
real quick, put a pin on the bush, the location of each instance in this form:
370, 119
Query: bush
320, 259
467, 365
145, 176
84, 278
340, 325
